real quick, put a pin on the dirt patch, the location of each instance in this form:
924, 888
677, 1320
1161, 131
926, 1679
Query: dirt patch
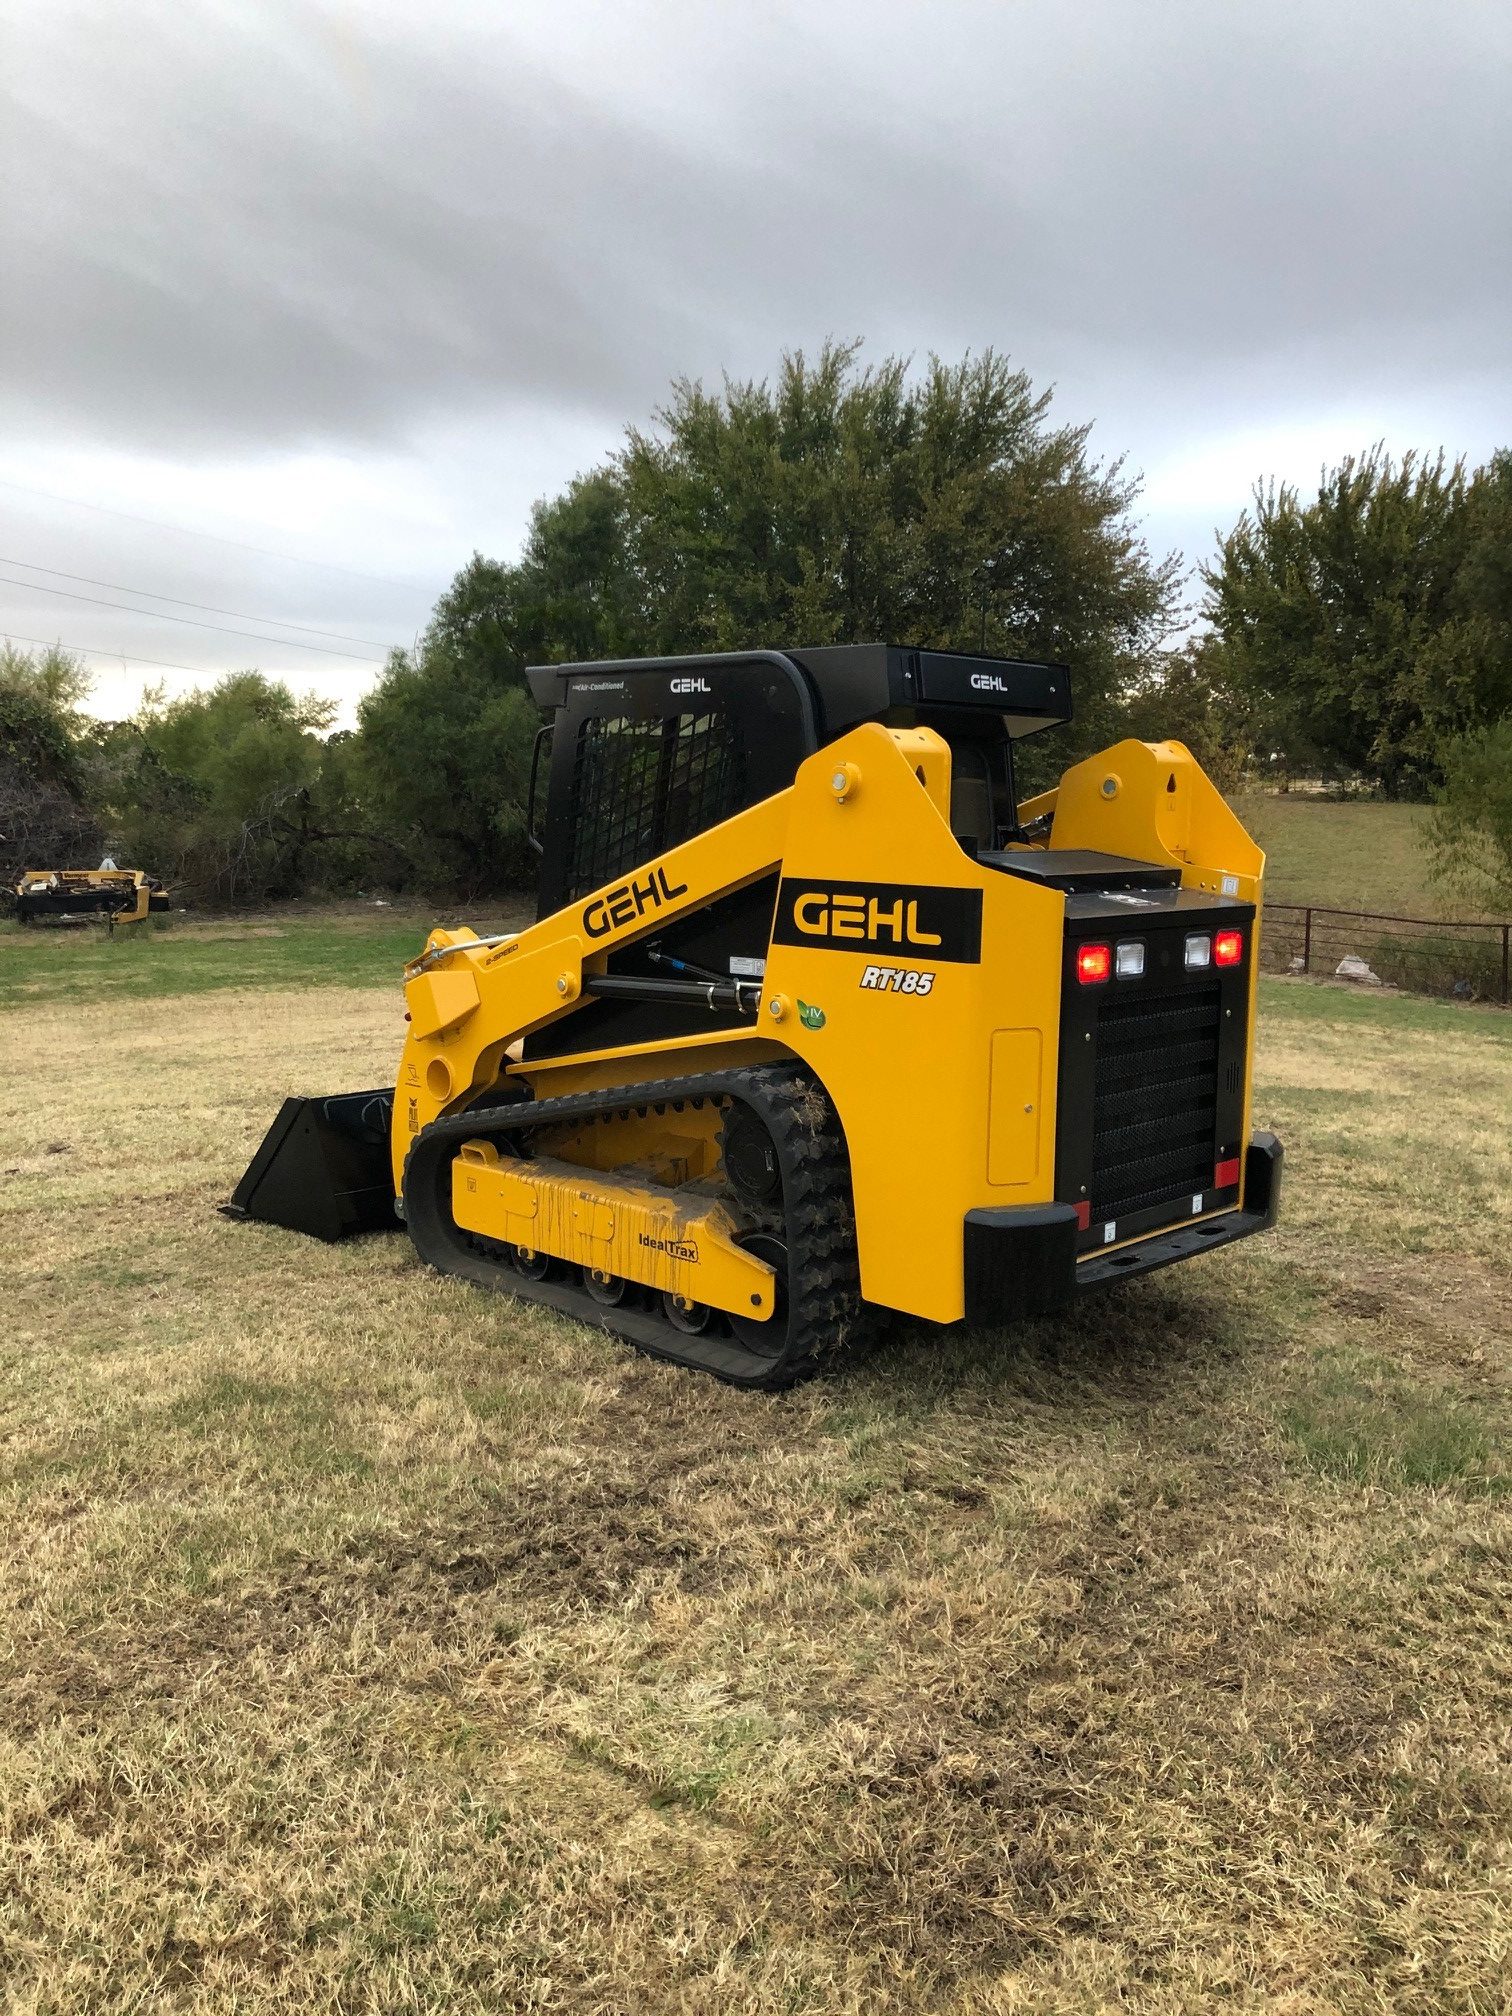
1457, 1316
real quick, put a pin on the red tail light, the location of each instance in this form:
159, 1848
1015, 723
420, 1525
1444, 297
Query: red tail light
1228, 948
1093, 963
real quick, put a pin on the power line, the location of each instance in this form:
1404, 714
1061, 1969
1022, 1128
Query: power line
124, 588
94, 651
162, 616
220, 539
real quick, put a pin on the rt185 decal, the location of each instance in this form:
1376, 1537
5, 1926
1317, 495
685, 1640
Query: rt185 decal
898, 979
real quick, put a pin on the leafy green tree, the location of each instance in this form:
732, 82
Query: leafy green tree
569, 596
1185, 699
442, 759
580, 597
48, 817
1366, 629
843, 504
836, 504
52, 676
214, 789
244, 741
1470, 829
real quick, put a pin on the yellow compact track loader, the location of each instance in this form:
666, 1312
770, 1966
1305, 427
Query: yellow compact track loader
105, 895
817, 1015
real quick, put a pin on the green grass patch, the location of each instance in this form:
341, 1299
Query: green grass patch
225, 1397
1356, 855
294, 1430
1284, 1001
1357, 1417
38, 966
340, 946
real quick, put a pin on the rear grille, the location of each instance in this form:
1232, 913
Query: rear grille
1154, 1100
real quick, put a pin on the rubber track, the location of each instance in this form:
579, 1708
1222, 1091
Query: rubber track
818, 1218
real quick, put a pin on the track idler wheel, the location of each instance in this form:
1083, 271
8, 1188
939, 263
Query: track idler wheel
690, 1319
609, 1290
770, 1338
752, 1166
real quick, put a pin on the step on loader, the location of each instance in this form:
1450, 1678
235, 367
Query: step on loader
817, 1015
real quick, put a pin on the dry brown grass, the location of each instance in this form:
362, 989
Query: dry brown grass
369, 1646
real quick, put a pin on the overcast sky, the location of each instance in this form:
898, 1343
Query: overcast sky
299, 304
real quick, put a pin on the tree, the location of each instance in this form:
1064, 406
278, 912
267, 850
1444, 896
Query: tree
1186, 699
1370, 627
1470, 829
47, 817
442, 758
845, 504
214, 789
442, 755
837, 504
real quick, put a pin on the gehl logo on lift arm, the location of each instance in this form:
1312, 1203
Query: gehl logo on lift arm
629, 900
944, 924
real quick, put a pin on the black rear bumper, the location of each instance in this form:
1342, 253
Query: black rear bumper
1022, 1263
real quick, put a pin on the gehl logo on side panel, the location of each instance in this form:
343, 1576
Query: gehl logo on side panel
943, 924
629, 900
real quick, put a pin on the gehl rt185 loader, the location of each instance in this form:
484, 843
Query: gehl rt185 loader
816, 1014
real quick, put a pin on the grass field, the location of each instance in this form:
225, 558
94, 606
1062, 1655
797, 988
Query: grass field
1348, 856
369, 1646
290, 945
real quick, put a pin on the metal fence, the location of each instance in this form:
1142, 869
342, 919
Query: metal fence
1470, 962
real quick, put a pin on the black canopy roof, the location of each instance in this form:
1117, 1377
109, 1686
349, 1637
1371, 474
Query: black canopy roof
850, 683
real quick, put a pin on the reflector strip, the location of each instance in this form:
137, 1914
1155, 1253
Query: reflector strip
1226, 1174
1084, 1214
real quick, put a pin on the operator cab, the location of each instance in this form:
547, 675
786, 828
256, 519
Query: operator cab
647, 752
980, 706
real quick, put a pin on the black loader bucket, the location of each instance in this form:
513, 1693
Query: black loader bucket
323, 1168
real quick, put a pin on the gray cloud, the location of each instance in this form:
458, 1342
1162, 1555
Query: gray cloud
229, 254
463, 242
226, 227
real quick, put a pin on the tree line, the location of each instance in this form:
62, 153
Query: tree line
1367, 631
